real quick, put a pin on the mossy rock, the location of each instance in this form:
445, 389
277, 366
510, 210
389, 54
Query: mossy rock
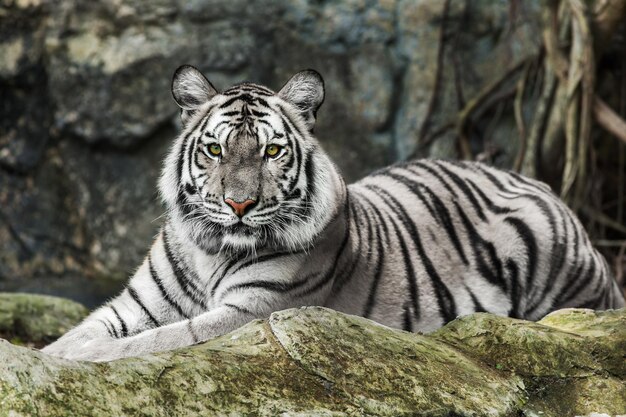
315, 361
36, 320
573, 361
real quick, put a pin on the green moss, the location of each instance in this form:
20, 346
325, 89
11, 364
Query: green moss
249, 373
572, 361
378, 366
36, 320
314, 361
557, 397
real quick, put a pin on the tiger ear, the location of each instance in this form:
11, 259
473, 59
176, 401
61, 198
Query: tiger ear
190, 89
305, 90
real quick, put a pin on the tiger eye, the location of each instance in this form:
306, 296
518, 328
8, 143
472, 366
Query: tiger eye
272, 150
215, 149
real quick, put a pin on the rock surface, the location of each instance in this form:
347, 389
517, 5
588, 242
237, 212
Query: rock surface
86, 113
314, 361
37, 320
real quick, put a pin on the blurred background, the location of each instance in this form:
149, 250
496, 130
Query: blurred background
86, 114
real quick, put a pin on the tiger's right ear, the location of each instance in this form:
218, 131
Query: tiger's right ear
305, 90
190, 89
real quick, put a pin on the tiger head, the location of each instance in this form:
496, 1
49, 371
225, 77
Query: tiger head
246, 171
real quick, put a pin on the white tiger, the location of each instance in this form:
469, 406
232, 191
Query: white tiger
259, 219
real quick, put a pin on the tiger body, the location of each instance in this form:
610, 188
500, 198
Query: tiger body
259, 219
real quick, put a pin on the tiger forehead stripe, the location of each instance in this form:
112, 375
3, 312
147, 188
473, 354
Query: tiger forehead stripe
248, 87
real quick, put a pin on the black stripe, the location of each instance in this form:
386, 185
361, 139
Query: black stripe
599, 290
491, 206
109, 331
411, 276
206, 119
135, 297
238, 308
231, 263
330, 274
478, 307
527, 236
298, 159
495, 181
194, 337
122, 322
190, 159
309, 170
574, 258
440, 212
465, 189
186, 285
414, 188
556, 260
217, 126
256, 89
434, 173
164, 294
544, 188
183, 149
574, 273
113, 328
370, 231
263, 258
250, 262
445, 300
274, 286
286, 120
516, 286
378, 271
265, 122
576, 235
487, 261
243, 97
291, 155
346, 273
544, 208
407, 326
229, 135
583, 281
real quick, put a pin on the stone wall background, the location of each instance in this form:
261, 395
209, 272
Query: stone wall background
86, 113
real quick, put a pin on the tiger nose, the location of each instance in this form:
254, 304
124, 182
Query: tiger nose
240, 208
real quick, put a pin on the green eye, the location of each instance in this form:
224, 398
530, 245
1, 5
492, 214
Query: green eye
214, 149
272, 150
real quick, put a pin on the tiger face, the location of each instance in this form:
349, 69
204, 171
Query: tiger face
246, 172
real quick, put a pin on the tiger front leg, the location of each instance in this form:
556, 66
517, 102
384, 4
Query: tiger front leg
138, 308
78, 336
176, 335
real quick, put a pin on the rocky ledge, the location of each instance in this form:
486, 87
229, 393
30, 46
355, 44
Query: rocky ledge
315, 361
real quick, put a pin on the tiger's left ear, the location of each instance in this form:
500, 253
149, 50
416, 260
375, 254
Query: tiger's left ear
305, 90
191, 90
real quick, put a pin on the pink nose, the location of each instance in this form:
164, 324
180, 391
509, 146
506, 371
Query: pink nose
240, 208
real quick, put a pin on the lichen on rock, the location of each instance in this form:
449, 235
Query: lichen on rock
37, 320
316, 361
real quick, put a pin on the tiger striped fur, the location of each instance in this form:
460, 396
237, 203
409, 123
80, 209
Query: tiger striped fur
411, 246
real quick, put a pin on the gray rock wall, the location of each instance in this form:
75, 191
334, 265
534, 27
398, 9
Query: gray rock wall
86, 113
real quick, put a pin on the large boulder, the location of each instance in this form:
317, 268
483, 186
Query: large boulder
315, 361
